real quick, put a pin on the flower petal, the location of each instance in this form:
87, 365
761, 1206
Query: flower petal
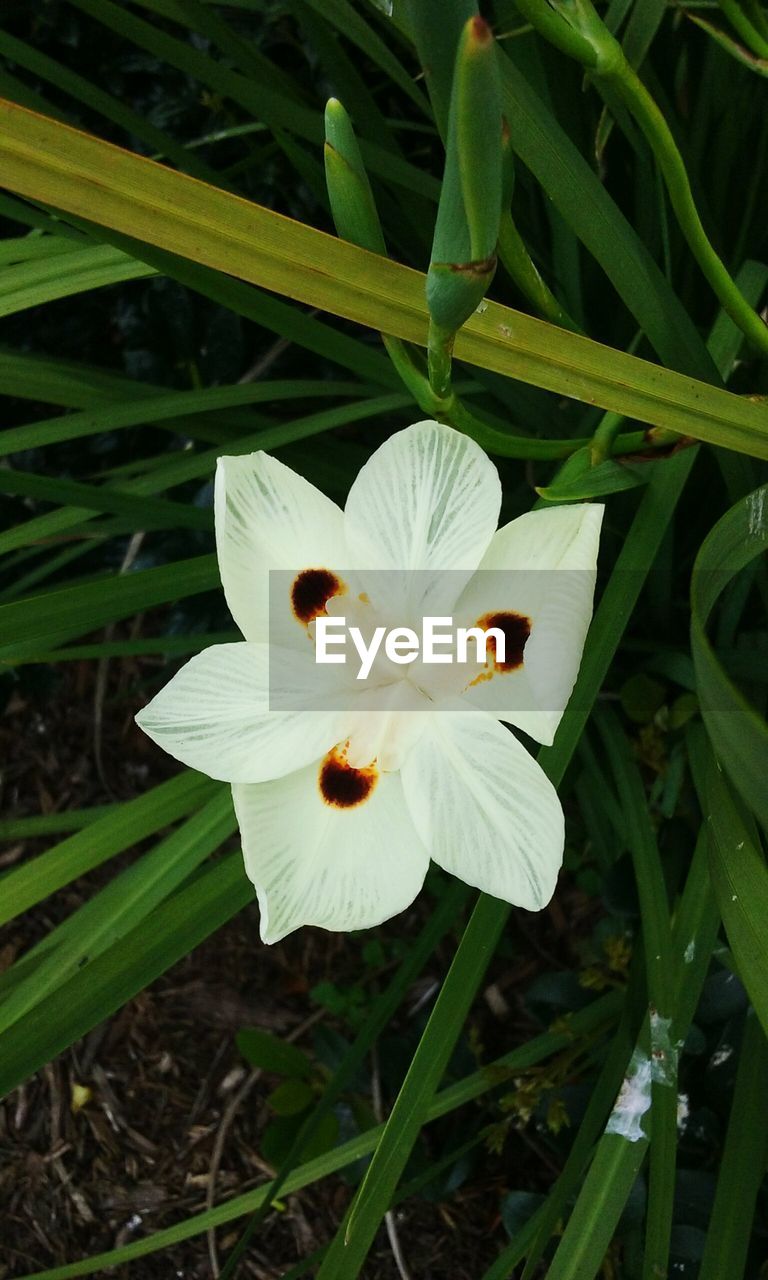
269, 517
428, 499
214, 716
314, 863
564, 537
484, 808
541, 567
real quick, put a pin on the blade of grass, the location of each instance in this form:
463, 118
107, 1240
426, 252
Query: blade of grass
660, 981
46, 824
154, 405
31, 283
167, 934
105, 835
743, 1163
82, 609
265, 104
618, 1158
171, 646
348, 1251
696, 927
740, 879
381, 1013
105, 919
204, 19
738, 733
32, 247
162, 513
245, 300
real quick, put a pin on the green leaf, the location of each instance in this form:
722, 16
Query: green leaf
290, 1098
61, 276
260, 99
48, 161
45, 824
740, 880
81, 90
435, 28
150, 404
597, 482
165, 936
348, 1252
742, 1165
379, 1015
104, 835
738, 733
584, 203
74, 610
119, 907
260, 1049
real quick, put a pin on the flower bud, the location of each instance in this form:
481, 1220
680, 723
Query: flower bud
467, 227
349, 191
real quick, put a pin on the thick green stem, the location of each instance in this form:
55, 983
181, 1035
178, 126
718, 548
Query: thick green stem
439, 348
604, 437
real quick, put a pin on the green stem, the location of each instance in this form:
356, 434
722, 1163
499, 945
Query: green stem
439, 349
522, 269
604, 437
656, 130
608, 66
450, 410
403, 358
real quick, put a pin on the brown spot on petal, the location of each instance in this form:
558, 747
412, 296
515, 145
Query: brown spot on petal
341, 785
516, 628
312, 590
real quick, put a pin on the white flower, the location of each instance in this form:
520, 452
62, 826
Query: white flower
342, 803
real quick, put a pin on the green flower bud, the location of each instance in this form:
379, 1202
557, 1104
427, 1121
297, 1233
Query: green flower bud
467, 227
352, 204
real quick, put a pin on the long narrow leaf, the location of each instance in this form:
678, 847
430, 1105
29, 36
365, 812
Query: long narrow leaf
51, 162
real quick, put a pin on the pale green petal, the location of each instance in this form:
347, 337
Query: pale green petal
337, 868
214, 716
428, 499
484, 808
543, 566
268, 517
564, 537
